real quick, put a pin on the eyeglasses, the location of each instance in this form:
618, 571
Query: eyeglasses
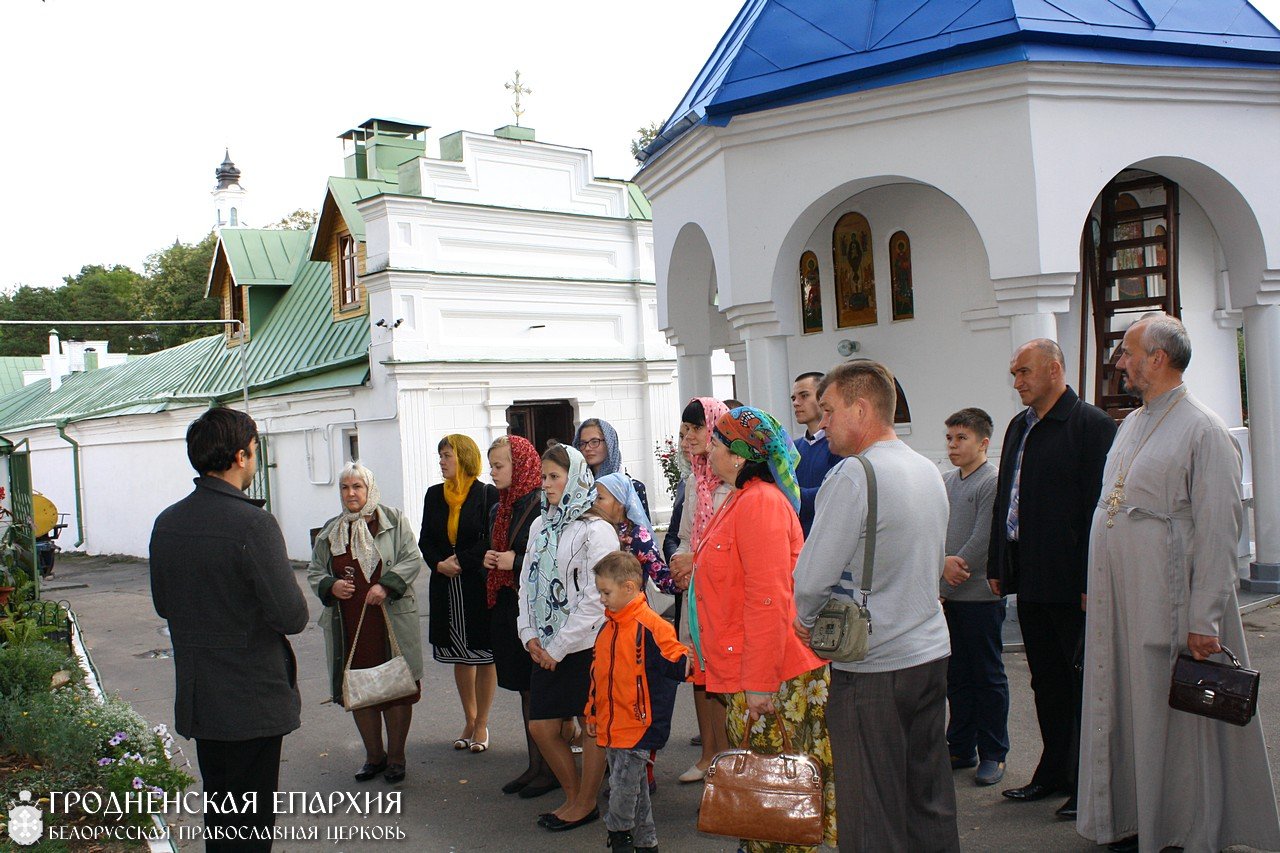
590, 444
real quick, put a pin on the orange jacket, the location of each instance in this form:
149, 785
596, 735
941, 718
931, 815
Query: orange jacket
638, 665
743, 583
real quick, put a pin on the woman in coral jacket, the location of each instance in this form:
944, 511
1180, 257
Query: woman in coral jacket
742, 576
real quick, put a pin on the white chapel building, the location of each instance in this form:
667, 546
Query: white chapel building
496, 285
932, 183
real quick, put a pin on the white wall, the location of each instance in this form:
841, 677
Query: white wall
942, 361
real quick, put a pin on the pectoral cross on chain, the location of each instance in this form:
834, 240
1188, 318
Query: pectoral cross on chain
517, 88
1114, 498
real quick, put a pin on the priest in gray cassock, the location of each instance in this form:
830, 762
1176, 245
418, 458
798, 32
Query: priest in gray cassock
1162, 578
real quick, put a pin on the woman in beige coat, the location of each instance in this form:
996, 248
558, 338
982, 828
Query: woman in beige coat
366, 557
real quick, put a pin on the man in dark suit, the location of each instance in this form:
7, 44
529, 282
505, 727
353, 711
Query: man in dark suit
1050, 477
220, 576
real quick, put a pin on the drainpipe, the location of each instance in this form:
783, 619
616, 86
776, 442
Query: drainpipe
75, 468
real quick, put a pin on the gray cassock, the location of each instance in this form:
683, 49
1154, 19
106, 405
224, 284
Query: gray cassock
1167, 567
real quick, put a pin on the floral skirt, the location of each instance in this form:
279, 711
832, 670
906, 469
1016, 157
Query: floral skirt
802, 706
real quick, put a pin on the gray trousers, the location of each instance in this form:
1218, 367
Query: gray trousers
893, 774
629, 805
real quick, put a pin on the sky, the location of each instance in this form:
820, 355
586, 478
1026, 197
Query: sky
116, 114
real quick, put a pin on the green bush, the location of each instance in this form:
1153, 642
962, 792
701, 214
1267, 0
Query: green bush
30, 669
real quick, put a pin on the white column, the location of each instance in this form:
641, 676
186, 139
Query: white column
1262, 370
741, 373
1028, 327
769, 376
693, 372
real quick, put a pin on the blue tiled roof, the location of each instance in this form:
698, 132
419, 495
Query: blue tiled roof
778, 52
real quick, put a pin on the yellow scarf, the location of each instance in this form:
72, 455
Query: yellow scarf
457, 487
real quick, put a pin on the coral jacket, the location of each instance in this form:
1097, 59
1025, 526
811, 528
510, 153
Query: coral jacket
744, 588
638, 665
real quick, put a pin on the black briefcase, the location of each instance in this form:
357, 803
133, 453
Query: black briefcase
1215, 690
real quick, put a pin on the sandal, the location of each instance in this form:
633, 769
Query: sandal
462, 743
480, 745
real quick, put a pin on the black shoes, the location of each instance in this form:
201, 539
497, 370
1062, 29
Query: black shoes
530, 791
368, 771
1067, 811
1124, 845
550, 822
395, 773
620, 841
1029, 793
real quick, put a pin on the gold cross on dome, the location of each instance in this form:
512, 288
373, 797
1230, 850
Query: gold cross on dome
517, 88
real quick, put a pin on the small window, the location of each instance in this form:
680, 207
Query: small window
237, 297
235, 220
353, 445
347, 270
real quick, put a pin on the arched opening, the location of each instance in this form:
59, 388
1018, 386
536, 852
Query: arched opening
1170, 235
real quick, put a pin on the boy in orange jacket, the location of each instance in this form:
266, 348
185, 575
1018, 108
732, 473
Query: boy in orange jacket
638, 665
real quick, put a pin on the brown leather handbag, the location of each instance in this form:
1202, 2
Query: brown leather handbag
761, 797
1214, 690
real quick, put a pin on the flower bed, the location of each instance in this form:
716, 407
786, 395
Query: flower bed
58, 732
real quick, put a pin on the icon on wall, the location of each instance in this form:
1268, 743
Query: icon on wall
855, 272
810, 294
904, 301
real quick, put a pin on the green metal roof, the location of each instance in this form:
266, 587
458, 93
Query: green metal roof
347, 192
262, 256
298, 346
637, 203
11, 367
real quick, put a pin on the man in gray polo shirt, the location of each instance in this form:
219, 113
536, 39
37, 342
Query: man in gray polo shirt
889, 747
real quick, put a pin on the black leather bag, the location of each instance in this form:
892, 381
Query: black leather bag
1215, 690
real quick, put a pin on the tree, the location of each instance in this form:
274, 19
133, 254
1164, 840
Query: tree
29, 303
299, 220
101, 293
645, 137
174, 290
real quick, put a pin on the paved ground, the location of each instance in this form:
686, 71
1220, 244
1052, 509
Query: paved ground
452, 800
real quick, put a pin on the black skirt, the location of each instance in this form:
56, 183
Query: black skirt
561, 693
509, 654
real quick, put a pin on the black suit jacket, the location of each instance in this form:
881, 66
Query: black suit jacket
221, 578
1058, 491
473, 541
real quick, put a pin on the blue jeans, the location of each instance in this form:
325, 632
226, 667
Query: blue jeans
629, 806
977, 689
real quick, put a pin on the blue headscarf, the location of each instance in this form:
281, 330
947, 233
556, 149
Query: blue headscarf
613, 450
548, 598
624, 491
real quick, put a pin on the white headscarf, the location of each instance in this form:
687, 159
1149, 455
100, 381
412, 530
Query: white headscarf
352, 530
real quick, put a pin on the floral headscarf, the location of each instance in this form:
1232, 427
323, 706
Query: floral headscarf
457, 487
613, 451
352, 530
704, 478
526, 476
756, 436
548, 599
624, 491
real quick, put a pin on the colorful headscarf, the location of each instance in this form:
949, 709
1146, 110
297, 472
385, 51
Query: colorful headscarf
352, 530
548, 598
756, 436
457, 487
613, 450
624, 491
526, 476
705, 480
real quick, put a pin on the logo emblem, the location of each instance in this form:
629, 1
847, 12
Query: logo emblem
25, 821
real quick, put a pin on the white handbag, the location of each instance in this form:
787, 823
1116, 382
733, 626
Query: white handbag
362, 688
